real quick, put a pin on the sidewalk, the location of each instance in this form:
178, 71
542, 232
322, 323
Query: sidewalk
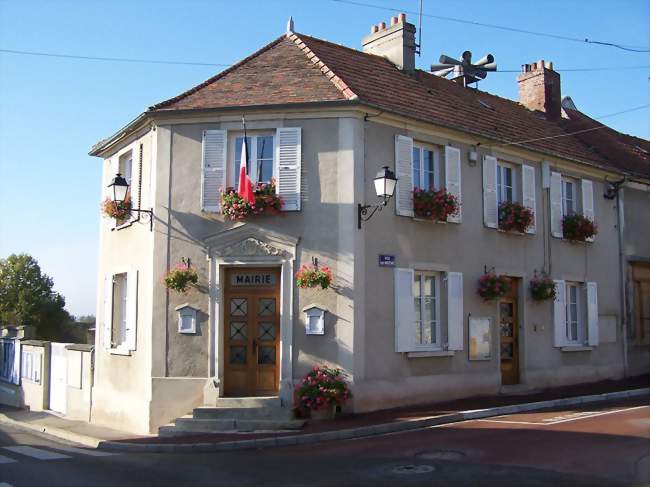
344, 427
49, 423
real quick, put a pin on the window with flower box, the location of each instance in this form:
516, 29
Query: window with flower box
570, 197
260, 148
428, 168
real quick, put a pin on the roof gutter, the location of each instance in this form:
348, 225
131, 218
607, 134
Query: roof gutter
125, 131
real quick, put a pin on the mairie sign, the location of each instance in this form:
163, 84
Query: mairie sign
253, 279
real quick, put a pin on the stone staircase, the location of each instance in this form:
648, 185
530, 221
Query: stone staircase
235, 414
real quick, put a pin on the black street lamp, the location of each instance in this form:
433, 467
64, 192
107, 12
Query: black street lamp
120, 190
385, 182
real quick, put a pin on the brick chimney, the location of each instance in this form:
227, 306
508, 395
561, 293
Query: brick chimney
539, 89
396, 43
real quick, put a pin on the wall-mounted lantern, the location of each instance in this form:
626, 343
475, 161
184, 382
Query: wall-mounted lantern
314, 319
186, 318
385, 182
120, 190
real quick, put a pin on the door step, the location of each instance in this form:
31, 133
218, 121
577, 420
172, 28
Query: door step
235, 414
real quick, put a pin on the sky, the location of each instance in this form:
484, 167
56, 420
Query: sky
52, 110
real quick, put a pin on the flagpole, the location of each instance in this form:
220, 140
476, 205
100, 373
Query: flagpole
243, 121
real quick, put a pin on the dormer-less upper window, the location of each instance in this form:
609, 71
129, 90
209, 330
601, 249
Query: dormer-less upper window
426, 167
569, 199
126, 166
506, 183
260, 158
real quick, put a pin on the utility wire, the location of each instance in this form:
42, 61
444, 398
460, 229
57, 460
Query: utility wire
116, 59
501, 27
188, 63
579, 131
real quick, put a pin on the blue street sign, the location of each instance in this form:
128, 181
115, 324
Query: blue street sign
386, 260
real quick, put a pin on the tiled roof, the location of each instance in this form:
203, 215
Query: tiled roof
302, 69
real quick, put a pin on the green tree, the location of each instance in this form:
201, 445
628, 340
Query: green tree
27, 297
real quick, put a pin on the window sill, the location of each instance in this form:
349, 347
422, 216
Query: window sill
576, 348
432, 353
513, 232
428, 220
120, 351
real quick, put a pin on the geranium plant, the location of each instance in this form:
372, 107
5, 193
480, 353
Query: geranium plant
323, 386
181, 277
313, 276
120, 210
542, 287
234, 207
435, 204
492, 286
578, 227
515, 217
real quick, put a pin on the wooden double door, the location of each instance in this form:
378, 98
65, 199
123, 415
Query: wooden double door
509, 334
251, 332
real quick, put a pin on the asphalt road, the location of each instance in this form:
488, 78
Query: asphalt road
591, 446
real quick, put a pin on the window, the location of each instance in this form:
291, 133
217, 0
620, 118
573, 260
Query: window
186, 319
426, 162
569, 199
119, 315
126, 166
506, 183
574, 314
260, 158
426, 292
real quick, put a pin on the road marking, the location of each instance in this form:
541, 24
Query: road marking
35, 452
562, 418
6, 460
83, 451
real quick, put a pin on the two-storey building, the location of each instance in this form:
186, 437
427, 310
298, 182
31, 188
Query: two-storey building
322, 119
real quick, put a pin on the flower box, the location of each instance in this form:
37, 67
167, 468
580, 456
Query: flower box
323, 388
436, 205
313, 276
492, 287
234, 207
515, 217
578, 228
120, 210
542, 288
180, 278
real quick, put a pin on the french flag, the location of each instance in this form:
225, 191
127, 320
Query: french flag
245, 188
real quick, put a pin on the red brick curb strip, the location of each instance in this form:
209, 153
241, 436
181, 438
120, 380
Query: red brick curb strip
365, 431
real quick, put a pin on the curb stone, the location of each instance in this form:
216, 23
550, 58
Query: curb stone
373, 430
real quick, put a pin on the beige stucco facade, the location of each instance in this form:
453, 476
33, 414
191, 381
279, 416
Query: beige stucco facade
167, 373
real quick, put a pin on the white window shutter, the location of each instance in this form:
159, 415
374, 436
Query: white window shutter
556, 205
592, 313
213, 177
559, 314
403, 169
15, 371
288, 162
528, 193
490, 207
108, 311
455, 317
404, 310
453, 179
131, 309
588, 201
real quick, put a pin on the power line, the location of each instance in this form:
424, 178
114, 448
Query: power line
115, 59
600, 127
188, 63
501, 27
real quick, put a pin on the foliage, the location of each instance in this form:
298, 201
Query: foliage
513, 216
312, 276
323, 386
491, 286
120, 210
542, 288
180, 278
234, 207
435, 204
578, 227
27, 297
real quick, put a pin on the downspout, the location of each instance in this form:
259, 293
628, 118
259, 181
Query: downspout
620, 216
